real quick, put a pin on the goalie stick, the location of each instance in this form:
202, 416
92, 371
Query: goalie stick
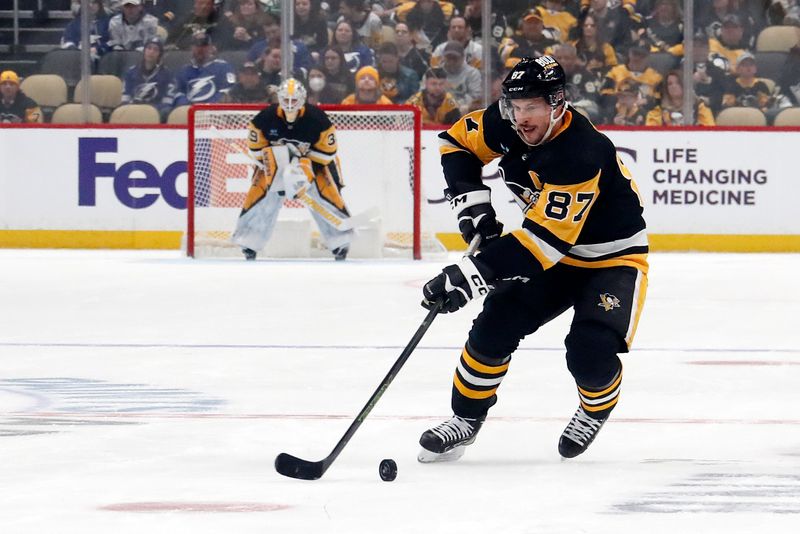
294, 467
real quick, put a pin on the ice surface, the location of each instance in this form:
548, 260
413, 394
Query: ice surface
141, 392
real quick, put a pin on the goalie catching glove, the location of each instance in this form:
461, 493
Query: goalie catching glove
476, 215
456, 285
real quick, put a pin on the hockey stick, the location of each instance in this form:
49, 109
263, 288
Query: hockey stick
294, 467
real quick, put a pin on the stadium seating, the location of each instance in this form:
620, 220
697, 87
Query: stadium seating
741, 116
387, 34
48, 90
175, 60
235, 57
106, 91
73, 114
770, 64
179, 115
788, 117
777, 38
135, 114
117, 62
65, 63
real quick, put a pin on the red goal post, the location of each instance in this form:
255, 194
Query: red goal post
379, 150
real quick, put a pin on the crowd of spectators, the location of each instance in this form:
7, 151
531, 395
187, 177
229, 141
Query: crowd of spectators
429, 53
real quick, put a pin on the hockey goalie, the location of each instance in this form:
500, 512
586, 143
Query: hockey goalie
293, 148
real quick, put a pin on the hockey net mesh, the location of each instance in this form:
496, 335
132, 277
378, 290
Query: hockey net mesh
376, 154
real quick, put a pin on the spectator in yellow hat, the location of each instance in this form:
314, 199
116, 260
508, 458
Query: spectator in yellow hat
368, 89
15, 106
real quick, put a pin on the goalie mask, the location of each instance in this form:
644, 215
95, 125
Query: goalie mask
291, 98
541, 77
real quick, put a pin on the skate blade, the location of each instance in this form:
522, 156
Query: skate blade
428, 457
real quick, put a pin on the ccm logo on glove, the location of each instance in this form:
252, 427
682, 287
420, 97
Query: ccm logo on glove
456, 285
476, 215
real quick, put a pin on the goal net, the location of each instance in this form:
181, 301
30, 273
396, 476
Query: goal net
379, 153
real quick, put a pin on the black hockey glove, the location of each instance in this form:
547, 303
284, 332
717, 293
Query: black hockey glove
476, 216
457, 285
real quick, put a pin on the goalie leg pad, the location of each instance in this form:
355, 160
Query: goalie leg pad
255, 225
330, 220
328, 189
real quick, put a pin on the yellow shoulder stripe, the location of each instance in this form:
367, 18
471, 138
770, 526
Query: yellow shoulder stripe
469, 134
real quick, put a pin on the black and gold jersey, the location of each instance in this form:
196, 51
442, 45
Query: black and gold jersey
581, 205
312, 133
22, 109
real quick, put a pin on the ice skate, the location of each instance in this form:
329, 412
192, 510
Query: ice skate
249, 254
446, 442
340, 253
579, 434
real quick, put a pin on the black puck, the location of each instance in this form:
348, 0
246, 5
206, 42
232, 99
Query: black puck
388, 470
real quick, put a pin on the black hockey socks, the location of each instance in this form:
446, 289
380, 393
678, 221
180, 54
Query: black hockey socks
595, 407
475, 383
598, 402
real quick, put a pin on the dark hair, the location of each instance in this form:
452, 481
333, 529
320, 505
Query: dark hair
360, 5
356, 37
600, 35
436, 72
388, 48
338, 51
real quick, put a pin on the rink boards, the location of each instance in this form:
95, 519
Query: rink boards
111, 187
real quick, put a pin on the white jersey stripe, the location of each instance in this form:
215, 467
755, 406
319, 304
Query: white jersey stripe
550, 252
596, 250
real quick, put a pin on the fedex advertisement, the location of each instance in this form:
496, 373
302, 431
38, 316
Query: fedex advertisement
135, 180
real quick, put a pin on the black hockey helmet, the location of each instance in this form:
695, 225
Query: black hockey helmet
532, 78
536, 77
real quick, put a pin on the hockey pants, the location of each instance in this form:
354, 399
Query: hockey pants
607, 304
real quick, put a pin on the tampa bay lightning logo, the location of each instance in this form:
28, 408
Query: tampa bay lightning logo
201, 89
146, 92
352, 60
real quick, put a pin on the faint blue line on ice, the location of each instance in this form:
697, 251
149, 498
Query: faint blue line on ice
359, 347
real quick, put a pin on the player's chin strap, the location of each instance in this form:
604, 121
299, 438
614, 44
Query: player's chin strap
553, 121
507, 112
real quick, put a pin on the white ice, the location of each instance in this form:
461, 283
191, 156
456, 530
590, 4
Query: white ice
141, 392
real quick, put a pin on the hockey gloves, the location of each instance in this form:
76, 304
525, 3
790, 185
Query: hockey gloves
296, 177
456, 285
476, 216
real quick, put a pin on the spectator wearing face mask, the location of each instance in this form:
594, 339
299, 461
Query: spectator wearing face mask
319, 90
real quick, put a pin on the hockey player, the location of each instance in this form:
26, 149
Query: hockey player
582, 245
294, 147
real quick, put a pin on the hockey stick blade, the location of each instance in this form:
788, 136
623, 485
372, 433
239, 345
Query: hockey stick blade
294, 467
